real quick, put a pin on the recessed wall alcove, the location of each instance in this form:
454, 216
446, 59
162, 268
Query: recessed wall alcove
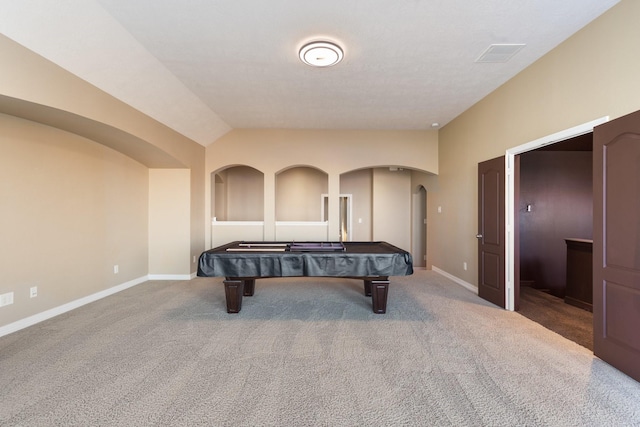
237, 204
303, 202
299, 193
299, 204
237, 194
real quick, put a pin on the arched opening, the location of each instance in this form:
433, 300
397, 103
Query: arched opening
419, 227
299, 204
237, 205
299, 194
237, 194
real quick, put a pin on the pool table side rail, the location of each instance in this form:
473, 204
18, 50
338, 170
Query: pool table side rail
359, 259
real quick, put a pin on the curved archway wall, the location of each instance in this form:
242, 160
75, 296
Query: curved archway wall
338, 153
94, 184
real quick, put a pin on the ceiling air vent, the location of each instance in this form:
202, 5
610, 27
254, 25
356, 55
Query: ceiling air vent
500, 52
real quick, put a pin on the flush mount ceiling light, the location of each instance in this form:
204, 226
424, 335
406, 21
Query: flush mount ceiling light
321, 54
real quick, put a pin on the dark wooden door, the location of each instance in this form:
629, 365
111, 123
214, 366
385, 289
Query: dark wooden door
616, 243
491, 225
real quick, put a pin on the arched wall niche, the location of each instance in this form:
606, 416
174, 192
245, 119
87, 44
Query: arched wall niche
304, 166
389, 203
298, 193
237, 194
393, 168
305, 200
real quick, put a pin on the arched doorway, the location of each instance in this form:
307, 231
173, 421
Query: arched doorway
419, 227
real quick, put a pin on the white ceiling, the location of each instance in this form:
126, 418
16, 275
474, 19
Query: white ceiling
203, 67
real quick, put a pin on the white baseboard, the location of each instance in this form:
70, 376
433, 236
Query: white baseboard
459, 281
48, 314
170, 277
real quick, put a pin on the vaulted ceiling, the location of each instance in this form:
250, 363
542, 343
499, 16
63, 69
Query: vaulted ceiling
203, 67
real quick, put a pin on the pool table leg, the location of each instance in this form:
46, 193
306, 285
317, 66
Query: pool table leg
249, 287
367, 288
233, 290
379, 291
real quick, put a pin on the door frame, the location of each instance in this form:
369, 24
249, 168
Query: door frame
419, 226
324, 198
510, 196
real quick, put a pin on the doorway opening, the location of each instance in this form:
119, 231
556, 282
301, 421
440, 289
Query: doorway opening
511, 232
540, 298
346, 222
419, 228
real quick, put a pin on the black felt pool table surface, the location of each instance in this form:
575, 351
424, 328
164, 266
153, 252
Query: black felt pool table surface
279, 259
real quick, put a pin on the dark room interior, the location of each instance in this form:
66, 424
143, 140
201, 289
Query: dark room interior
555, 223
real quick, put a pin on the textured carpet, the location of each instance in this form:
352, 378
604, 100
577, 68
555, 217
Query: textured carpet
553, 313
304, 352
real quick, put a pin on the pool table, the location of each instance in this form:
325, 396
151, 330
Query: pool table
241, 263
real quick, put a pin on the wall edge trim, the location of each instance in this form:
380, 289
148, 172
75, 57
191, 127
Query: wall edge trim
64, 308
459, 281
170, 276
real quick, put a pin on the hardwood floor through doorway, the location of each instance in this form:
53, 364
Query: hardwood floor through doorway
553, 313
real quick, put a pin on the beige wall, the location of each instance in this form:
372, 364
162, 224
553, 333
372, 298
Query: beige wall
219, 185
97, 152
299, 193
591, 75
332, 151
71, 210
245, 199
58, 97
392, 199
169, 223
359, 184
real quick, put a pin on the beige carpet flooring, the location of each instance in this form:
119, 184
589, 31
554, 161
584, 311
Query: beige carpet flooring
304, 352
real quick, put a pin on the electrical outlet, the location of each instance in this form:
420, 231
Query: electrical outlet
6, 299
194, 258
464, 265
33, 292
116, 269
